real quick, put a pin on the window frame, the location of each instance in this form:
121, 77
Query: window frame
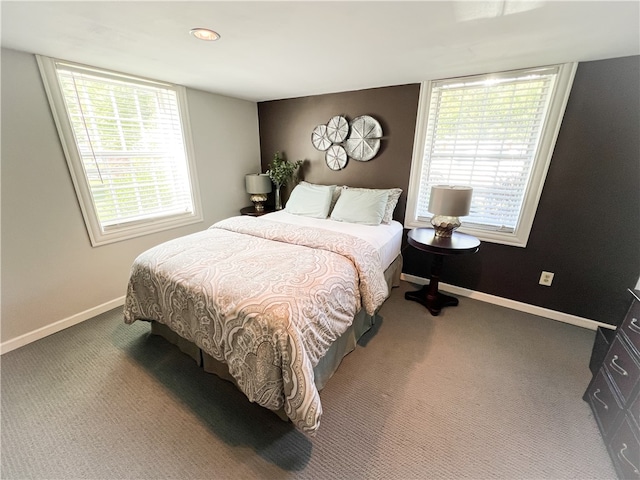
542, 159
99, 234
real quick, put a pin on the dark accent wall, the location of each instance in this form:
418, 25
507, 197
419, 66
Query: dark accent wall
587, 226
286, 126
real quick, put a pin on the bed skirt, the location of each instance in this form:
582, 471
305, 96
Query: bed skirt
327, 365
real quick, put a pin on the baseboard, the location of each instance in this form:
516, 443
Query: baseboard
464, 292
505, 302
30, 337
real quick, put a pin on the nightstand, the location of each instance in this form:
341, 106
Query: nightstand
424, 239
252, 211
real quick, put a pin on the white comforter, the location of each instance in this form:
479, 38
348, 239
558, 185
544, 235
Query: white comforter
266, 298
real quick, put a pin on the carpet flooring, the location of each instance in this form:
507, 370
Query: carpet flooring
479, 392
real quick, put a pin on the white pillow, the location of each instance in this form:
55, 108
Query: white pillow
310, 200
392, 201
360, 206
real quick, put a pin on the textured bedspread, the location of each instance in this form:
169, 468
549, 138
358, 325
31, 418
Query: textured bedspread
266, 298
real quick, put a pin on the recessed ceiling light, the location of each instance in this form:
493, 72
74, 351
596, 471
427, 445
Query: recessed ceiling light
205, 34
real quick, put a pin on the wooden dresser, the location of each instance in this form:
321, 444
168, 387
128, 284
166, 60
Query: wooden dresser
614, 395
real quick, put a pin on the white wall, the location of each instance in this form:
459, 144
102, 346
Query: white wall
51, 275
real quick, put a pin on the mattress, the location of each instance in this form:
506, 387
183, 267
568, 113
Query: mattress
386, 238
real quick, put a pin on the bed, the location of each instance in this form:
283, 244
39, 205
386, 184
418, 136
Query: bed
272, 303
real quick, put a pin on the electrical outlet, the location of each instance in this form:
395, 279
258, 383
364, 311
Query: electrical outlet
546, 278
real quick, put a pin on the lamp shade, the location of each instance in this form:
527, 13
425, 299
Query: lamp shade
453, 201
257, 183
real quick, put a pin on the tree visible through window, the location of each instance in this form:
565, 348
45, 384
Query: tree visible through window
496, 134
127, 146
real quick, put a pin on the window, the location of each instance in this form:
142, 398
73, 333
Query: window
495, 133
128, 148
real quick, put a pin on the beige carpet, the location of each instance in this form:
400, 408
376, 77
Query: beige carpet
479, 392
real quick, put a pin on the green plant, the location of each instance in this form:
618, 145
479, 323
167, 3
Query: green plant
280, 170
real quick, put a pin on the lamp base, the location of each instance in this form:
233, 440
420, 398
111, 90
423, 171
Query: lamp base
444, 225
257, 200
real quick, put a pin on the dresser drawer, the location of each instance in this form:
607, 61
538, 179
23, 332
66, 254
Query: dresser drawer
625, 450
603, 402
604, 337
622, 368
631, 325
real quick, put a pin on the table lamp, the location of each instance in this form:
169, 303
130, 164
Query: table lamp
258, 185
447, 203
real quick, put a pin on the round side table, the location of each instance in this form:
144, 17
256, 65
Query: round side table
458, 244
252, 211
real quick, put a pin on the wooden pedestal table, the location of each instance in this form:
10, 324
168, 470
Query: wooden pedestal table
458, 244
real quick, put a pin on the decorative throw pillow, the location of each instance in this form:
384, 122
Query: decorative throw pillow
361, 206
392, 200
310, 200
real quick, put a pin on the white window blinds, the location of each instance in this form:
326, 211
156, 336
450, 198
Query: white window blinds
130, 141
495, 133
127, 143
485, 132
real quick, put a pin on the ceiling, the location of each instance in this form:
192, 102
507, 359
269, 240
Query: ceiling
284, 49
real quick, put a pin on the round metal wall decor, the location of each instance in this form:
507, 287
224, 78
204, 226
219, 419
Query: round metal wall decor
336, 157
341, 140
337, 129
364, 142
319, 138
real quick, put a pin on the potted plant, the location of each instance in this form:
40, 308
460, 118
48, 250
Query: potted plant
280, 172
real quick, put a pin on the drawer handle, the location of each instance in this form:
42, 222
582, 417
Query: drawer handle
595, 395
633, 325
617, 367
622, 457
